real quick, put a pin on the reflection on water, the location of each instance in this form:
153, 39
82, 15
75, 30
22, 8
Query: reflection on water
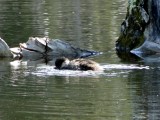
145, 92
27, 94
34, 90
38, 91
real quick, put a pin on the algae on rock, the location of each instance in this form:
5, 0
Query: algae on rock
133, 27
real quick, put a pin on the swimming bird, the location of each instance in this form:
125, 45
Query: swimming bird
77, 64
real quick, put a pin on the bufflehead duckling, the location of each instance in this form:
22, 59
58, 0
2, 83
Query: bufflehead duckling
77, 64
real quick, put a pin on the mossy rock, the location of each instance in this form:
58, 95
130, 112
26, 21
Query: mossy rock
133, 27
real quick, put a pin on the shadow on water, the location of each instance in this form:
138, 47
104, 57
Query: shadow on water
145, 92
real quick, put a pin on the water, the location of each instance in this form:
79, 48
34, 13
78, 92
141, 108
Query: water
31, 90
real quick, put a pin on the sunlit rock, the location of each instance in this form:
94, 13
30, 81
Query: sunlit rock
37, 48
4, 49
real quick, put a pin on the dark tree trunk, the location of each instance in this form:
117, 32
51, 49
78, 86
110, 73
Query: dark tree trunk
140, 31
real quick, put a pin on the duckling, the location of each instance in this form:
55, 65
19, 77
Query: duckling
77, 64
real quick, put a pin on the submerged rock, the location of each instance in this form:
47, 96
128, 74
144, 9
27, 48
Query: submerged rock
37, 48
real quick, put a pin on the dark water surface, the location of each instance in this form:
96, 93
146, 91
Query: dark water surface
32, 90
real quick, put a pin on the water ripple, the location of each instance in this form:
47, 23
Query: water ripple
109, 70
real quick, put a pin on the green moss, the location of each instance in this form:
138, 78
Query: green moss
132, 29
134, 3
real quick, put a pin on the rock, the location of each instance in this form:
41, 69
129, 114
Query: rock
38, 48
140, 31
133, 27
4, 49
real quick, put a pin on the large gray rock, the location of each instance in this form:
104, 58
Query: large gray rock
37, 48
